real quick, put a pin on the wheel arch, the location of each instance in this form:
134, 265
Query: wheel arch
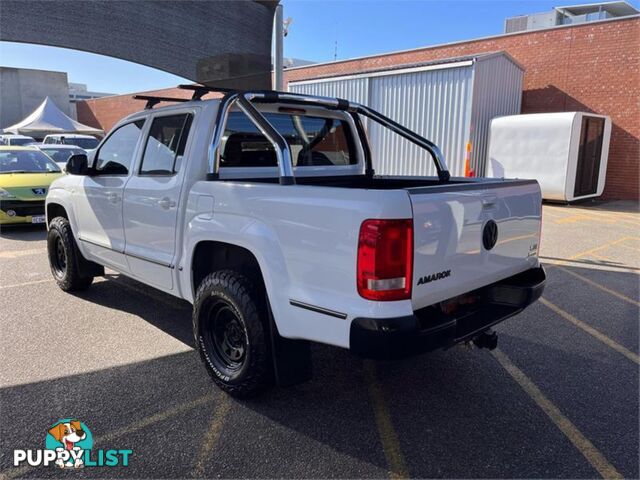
212, 255
54, 210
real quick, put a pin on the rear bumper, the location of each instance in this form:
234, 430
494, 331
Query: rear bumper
429, 328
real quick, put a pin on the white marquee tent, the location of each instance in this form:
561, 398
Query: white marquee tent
48, 119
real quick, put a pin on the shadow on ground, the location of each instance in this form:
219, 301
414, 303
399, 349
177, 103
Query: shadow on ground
457, 412
26, 233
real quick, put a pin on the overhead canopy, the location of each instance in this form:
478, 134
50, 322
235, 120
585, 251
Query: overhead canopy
215, 42
48, 119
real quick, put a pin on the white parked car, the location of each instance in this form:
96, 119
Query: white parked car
61, 153
87, 142
263, 211
15, 140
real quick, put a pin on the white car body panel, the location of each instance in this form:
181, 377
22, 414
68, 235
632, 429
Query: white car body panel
447, 229
304, 238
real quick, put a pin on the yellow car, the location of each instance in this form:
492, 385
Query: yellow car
25, 176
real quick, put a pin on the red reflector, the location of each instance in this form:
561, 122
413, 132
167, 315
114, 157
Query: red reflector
385, 259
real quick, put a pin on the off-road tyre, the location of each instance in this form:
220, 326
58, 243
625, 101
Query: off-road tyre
231, 330
65, 258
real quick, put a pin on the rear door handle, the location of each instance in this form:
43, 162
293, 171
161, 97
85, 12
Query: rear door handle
166, 203
112, 197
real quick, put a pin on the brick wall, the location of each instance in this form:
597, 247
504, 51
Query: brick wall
590, 67
105, 112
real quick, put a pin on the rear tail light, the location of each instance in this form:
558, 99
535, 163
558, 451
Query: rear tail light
385, 259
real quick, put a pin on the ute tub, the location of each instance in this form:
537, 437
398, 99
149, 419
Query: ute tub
429, 328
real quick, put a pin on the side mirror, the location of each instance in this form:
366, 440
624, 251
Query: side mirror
78, 164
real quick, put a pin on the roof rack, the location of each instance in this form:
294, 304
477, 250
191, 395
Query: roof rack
200, 91
153, 100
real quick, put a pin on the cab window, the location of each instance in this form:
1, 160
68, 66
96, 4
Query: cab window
165, 145
116, 154
313, 141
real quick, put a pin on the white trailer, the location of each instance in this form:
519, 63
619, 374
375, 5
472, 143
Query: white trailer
565, 152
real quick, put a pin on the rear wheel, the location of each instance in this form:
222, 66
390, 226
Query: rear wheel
64, 257
229, 322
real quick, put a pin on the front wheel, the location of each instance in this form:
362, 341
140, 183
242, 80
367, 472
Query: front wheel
64, 257
229, 324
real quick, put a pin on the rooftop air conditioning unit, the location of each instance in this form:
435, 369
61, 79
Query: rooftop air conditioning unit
565, 152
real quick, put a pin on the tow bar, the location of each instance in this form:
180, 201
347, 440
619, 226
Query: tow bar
487, 339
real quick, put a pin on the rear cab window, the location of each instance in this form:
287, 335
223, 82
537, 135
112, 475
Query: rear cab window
320, 139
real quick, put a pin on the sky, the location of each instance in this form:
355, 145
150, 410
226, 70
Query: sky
319, 31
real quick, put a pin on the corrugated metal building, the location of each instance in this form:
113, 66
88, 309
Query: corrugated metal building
450, 102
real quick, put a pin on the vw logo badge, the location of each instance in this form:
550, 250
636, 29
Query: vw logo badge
490, 235
39, 191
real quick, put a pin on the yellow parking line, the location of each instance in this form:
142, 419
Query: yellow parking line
592, 331
602, 257
551, 212
21, 253
608, 216
634, 215
140, 424
14, 472
582, 443
386, 431
211, 436
629, 247
595, 249
635, 220
26, 284
152, 419
601, 287
578, 217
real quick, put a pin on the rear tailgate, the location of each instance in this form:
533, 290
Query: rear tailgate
450, 221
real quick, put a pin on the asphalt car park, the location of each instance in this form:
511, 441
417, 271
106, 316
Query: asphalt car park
558, 398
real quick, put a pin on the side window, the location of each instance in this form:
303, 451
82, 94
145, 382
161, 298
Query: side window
116, 154
165, 145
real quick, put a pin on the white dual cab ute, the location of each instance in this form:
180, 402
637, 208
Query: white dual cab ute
262, 209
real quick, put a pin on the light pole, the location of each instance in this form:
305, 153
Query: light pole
278, 83
281, 29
